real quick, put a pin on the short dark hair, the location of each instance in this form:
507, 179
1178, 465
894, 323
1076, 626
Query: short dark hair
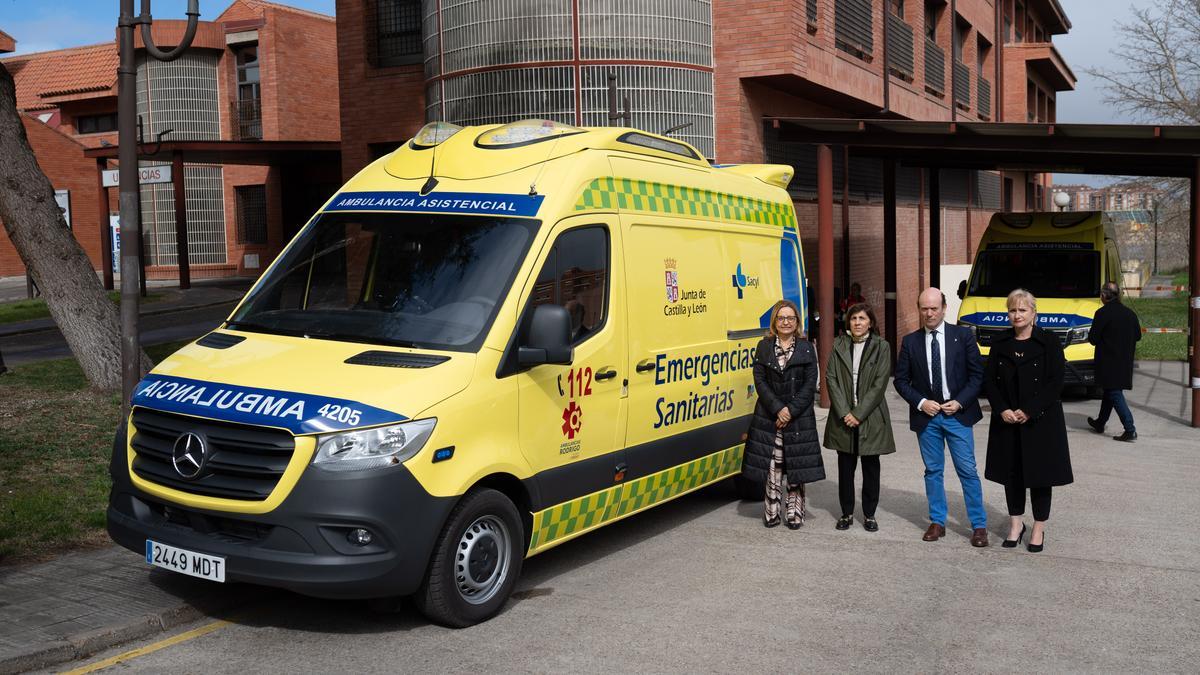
1110, 291
864, 308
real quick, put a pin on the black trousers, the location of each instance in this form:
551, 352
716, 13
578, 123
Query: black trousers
1014, 492
847, 463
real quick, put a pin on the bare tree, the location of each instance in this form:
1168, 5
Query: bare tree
52, 256
1159, 80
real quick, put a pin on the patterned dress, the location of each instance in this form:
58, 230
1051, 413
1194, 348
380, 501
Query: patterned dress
779, 495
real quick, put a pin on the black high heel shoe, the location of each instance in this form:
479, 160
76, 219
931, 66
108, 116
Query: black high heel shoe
1013, 543
1036, 548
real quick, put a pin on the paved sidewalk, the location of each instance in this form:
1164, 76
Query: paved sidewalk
1121, 575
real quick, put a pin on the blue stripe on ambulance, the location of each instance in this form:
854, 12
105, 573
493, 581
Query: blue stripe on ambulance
474, 203
1000, 320
296, 412
789, 271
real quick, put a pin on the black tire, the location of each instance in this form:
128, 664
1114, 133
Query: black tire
476, 561
748, 490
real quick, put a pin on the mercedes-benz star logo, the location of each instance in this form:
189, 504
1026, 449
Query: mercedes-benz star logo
189, 455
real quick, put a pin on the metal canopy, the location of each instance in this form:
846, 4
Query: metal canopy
262, 153
1112, 149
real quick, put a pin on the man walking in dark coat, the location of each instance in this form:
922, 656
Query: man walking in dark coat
940, 373
1115, 332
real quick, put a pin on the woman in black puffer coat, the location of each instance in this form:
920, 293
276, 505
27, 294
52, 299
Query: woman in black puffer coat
782, 448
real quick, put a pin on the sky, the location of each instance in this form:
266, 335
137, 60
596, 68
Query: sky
40, 25
43, 25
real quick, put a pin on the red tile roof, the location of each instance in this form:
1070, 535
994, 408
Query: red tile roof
42, 76
259, 5
7, 42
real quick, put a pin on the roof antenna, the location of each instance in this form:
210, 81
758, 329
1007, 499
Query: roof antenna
675, 128
432, 182
612, 102
533, 186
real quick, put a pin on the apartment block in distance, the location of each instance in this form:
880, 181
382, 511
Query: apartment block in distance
250, 110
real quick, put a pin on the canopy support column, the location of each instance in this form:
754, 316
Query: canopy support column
1194, 299
889, 249
825, 260
935, 227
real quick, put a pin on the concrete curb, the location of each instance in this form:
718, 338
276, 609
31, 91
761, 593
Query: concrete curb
87, 643
165, 310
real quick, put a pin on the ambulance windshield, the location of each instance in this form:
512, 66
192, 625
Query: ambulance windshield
1045, 272
411, 280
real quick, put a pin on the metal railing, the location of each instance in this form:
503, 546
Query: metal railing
852, 27
935, 67
985, 98
962, 84
900, 46
247, 119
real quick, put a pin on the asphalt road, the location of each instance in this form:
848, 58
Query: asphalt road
699, 585
156, 329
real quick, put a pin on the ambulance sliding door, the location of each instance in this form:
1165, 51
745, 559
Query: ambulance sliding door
678, 384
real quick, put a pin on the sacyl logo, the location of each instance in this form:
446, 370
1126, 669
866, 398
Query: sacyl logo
741, 281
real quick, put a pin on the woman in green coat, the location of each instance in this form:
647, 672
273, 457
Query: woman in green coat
859, 426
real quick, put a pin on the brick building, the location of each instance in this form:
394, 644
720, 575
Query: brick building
1134, 196
257, 75
727, 67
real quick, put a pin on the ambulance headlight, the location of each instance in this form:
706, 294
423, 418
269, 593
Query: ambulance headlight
372, 448
1078, 336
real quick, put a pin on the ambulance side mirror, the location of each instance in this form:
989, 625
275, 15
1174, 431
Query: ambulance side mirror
548, 339
962, 289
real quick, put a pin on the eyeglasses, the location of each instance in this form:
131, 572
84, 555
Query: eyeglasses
785, 319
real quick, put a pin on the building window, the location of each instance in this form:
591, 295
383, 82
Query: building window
896, 7
248, 109
397, 32
94, 124
252, 214
931, 20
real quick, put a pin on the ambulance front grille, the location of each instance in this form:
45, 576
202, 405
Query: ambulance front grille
242, 462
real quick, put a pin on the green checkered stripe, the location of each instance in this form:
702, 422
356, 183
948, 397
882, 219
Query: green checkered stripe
639, 195
574, 517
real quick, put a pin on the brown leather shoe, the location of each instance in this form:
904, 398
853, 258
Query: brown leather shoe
979, 537
934, 532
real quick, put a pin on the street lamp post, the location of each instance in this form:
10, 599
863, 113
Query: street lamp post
127, 151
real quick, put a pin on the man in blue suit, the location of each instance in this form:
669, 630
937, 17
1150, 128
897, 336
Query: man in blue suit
939, 372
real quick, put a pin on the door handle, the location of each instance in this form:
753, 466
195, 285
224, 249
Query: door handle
605, 375
644, 366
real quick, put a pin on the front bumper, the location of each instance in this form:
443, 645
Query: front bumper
301, 545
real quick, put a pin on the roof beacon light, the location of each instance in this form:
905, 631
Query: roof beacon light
433, 134
524, 133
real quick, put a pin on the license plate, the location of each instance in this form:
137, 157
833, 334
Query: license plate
185, 562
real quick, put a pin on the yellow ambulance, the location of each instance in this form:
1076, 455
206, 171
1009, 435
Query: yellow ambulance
1062, 258
489, 342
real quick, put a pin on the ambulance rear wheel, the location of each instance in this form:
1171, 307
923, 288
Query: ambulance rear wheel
475, 563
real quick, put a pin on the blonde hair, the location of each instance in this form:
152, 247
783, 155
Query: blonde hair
775, 313
1022, 295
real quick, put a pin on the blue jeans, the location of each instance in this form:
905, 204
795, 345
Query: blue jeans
1115, 398
946, 431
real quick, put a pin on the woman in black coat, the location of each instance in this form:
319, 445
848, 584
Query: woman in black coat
782, 449
1027, 441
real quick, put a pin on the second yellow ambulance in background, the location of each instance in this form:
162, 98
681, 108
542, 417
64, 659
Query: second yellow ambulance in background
1062, 258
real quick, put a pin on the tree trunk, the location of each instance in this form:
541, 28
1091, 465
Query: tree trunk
34, 223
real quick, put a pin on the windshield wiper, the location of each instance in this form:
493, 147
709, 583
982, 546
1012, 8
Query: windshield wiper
350, 337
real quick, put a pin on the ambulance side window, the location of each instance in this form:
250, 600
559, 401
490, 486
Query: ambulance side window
575, 276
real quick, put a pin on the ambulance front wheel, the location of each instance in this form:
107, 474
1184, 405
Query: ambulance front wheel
475, 563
